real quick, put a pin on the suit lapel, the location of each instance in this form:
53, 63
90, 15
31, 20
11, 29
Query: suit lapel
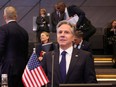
56, 63
82, 45
74, 60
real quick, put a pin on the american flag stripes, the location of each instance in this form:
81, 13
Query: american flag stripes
34, 75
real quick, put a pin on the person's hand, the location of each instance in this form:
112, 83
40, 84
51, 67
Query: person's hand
43, 52
44, 22
40, 58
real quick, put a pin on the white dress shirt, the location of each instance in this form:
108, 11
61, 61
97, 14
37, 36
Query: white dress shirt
79, 46
66, 14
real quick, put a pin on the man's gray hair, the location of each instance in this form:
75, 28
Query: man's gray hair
79, 34
66, 22
10, 13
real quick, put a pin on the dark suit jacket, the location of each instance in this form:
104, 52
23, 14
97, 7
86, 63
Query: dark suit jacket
13, 51
86, 46
39, 22
81, 69
83, 23
40, 28
55, 18
47, 48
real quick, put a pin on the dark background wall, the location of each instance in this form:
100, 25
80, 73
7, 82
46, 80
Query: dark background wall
100, 12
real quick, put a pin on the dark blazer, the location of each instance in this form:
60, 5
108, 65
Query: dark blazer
83, 23
39, 22
13, 52
46, 48
38, 49
55, 18
86, 46
42, 26
81, 69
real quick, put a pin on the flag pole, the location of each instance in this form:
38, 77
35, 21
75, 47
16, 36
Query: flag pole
52, 69
46, 85
34, 50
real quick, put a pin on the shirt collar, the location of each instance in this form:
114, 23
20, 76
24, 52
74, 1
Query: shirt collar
81, 42
66, 12
69, 50
10, 21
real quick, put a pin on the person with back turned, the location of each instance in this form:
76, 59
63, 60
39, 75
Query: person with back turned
13, 48
71, 65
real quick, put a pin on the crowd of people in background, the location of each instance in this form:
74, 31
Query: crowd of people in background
84, 28
63, 12
72, 39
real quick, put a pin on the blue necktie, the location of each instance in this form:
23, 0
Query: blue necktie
63, 66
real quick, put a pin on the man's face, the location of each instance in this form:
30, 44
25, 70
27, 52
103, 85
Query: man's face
61, 9
44, 37
65, 36
114, 24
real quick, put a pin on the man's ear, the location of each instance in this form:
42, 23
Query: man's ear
73, 39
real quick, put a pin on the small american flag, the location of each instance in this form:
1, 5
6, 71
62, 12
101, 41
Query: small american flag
34, 75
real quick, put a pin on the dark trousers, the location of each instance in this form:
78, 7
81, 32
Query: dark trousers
15, 81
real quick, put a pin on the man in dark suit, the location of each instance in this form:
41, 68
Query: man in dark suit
82, 24
78, 66
55, 18
13, 48
80, 43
